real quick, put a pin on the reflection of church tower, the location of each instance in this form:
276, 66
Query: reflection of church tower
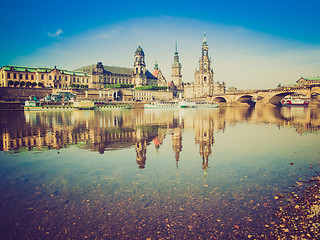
158, 140
205, 139
141, 148
176, 70
177, 143
139, 68
204, 76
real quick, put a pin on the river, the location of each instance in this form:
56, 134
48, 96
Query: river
152, 174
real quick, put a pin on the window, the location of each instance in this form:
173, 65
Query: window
15, 76
31, 77
78, 80
49, 77
26, 76
20, 76
8, 75
74, 79
41, 76
59, 78
87, 80
55, 77
66, 78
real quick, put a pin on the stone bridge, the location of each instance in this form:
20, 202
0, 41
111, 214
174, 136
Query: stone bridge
272, 96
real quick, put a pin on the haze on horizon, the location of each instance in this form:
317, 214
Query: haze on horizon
244, 54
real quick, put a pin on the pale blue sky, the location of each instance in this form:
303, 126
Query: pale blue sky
253, 44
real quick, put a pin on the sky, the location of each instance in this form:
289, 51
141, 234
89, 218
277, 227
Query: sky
252, 44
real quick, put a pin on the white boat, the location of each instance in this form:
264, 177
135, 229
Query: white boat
295, 102
205, 104
161, 104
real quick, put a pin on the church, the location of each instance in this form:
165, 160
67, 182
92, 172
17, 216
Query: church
204, 85
98, 76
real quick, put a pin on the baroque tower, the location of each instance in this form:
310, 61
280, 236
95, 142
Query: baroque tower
176, 70
204, 76
139, 68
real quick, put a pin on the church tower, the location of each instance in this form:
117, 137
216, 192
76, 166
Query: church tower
204, 76
139, 68
176, 70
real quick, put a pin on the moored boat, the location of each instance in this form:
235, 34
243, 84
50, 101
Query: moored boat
295, 102
161, 104
83, 105
205, 104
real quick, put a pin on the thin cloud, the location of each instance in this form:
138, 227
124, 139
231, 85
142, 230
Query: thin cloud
56, 34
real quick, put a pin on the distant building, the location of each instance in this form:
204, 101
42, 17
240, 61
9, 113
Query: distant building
309, 81
204, 85
176, 76
158, 74
18, 76
138, 75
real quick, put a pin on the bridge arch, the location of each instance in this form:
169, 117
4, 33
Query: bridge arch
275, 100
220, 99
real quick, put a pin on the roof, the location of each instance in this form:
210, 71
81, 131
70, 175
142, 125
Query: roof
112, 69
41, 70
155, 72
312, 78
149, 75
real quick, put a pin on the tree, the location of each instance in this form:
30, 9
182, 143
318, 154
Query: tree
28, 84
40, 84
86, 86
33, 84
78, 85
22, 83
16, 83
10, 83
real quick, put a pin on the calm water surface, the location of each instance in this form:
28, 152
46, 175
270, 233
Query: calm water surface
151, 174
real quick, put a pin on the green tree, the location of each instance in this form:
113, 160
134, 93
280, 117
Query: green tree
10, 83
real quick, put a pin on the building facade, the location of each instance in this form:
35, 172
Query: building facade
31, 77
204, 85
176, 76
308, 81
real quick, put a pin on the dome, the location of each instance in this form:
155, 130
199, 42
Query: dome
139, 50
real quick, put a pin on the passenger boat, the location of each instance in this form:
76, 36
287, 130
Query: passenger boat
169, 104
161, 104
34, 106
295, 102
205, 104
83, 105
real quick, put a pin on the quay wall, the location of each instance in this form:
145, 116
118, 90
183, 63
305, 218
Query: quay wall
22, 94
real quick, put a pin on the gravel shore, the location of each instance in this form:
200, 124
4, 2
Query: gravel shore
298, 216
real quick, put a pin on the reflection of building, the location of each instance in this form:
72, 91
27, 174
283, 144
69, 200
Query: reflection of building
140, 143
204, 137
177, 143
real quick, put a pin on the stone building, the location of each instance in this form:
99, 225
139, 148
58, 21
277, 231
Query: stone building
27, 77
308, 81
204, 85
138, 76
158, 74
176, 76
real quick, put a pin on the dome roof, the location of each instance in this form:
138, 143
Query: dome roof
139, 50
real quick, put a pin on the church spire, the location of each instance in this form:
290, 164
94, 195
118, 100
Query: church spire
204, 42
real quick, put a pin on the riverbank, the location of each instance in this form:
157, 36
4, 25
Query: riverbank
299, 212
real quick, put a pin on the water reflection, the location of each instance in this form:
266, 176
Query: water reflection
106, 130
141, 174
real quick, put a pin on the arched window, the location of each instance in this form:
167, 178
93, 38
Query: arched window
205, 79
205, 66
